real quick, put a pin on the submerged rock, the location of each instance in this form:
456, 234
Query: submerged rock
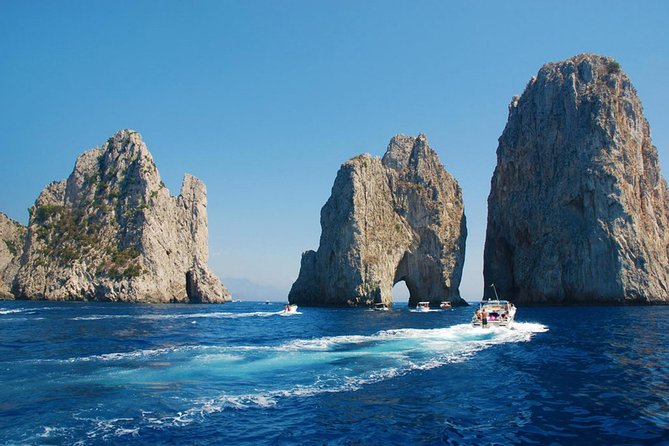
578, 208
396, 219
112, 231
12, 235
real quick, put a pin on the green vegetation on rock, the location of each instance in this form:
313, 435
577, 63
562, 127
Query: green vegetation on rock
612, 66
11, 246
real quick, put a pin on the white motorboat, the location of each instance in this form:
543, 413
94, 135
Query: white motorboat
289, 309
380, 306
445, 305
423, 306
494, 313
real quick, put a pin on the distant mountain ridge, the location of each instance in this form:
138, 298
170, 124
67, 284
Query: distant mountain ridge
246, 289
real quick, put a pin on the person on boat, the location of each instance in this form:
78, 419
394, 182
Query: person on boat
484, 319
478, 314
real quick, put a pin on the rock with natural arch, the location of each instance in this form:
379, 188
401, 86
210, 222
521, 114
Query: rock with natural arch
400, 218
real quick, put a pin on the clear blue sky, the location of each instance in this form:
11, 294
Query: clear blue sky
263, 100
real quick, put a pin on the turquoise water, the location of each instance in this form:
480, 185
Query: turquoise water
243, 373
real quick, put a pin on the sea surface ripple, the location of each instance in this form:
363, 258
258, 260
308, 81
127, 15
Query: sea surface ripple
245, 373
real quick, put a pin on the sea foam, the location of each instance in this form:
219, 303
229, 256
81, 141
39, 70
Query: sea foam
321, 365
409, 350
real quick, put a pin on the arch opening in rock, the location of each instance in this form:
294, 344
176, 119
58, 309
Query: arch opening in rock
405, 285
403, 275
400, 292
414, 295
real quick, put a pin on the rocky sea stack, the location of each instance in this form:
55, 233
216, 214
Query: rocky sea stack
13, 235
578, 208
396, 219
113, 232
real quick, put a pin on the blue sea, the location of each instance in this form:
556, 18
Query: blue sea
243, 373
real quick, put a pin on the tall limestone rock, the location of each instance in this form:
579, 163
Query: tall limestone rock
12, 237
112, 231
396, 219
578, 208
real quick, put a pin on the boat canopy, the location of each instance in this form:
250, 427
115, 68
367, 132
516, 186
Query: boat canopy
494, 302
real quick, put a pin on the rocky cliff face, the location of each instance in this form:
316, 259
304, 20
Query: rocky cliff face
12, 237
396, 219
112, 231
578, 208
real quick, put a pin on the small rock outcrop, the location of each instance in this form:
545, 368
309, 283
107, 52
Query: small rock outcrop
113, 232
396, 219
578, 209
12, 235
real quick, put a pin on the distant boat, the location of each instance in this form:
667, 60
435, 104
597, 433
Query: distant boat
380, 306
445, 305
423, 306
268, 302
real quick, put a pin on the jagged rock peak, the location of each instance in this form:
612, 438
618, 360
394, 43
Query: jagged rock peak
578, 208
396, 219
399, 151
112, 231
587, 66
12, 238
